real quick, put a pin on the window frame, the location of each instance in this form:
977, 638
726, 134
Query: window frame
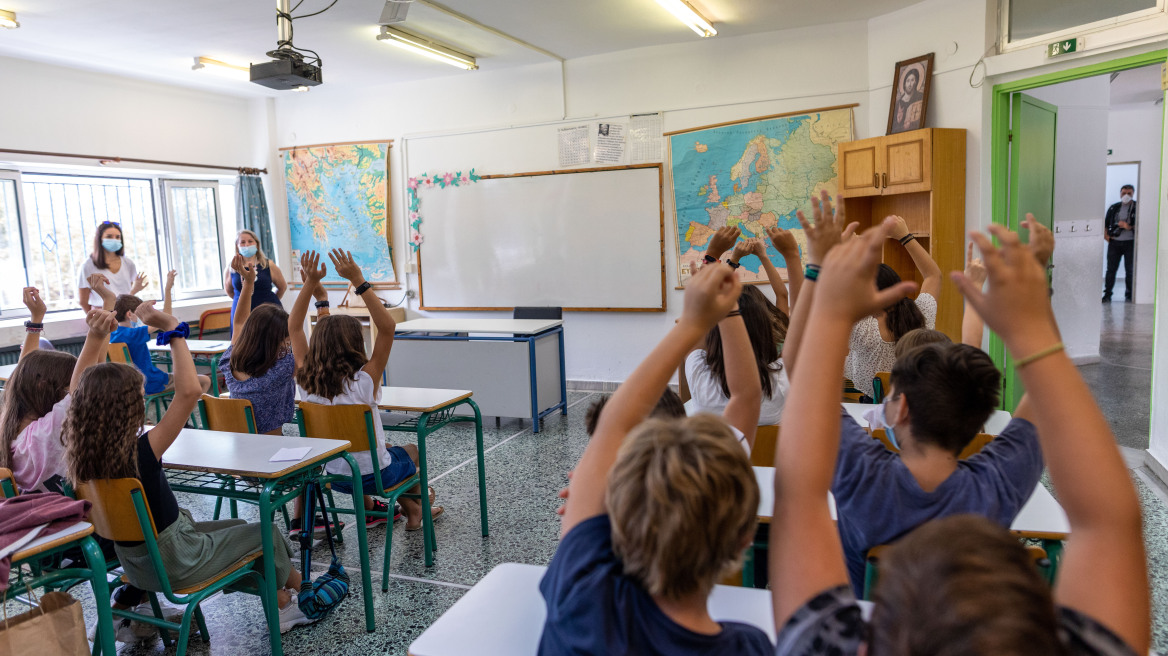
1005, 45
18, 310
171, 231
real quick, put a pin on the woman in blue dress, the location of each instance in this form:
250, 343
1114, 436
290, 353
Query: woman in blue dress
269, 284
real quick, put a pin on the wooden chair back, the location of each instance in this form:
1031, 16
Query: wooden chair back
339, 422
214, 320
766, 443
120, 353
880, 385
227, 415
879, 434
977, 444
7, 484
112, 512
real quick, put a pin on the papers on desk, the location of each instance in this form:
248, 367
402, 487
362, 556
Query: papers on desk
291, 455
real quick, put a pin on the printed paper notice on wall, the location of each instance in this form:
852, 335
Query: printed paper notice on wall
610, 143
645, 138
574, 145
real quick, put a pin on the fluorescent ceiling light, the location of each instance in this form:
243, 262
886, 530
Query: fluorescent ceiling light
424, 46
221, 68
683, 12
8, 19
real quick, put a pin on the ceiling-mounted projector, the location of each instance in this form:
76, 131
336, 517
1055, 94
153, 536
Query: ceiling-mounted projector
288, 68
394, 11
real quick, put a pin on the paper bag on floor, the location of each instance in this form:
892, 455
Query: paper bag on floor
57, 628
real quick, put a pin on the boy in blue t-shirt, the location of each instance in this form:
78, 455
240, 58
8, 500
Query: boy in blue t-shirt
136, 335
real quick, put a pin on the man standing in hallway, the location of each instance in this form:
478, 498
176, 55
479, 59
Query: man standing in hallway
1119, 230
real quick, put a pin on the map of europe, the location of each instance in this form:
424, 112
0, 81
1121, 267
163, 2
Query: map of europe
752, 175
337, 199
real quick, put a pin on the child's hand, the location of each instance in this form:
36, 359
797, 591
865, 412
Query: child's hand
742, 248
154, 318
170, 275
311, 268
975, 271
847, 284
1016, 304
564, 491
784, 241
710, 294
35, 304
758, 247
1041, 239
827, 230
101, 323
140, 283
246, 271
722, 241
97, 283
899, 229
345, 267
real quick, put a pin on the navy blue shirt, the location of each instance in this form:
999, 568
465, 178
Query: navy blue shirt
593, 608
878, 500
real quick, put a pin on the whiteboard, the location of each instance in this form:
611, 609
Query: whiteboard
582, 239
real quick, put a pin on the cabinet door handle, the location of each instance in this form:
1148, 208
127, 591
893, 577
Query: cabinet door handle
885, 178
876, 180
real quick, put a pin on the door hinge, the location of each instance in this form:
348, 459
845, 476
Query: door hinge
1009, 137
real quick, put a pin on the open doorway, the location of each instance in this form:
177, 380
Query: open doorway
1083, 152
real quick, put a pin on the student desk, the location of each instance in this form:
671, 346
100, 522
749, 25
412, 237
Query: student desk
202, 350
514, 366
198, 460
504, 613
994, 425
362, 314
80, 535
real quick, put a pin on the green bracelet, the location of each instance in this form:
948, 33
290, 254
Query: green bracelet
811, 272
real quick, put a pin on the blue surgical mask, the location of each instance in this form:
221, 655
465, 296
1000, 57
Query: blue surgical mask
888, 426
135, 323
247, 251
112, 245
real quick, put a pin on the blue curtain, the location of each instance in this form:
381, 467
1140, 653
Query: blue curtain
252, 210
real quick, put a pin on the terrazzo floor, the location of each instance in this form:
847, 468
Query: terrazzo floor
524, 473
1122, 380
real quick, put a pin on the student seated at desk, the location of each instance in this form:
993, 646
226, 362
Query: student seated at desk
332, 369
959, 585
940, 397
659, 510
104, 439
136, 335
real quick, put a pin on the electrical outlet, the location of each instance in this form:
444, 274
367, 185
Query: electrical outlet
411, 293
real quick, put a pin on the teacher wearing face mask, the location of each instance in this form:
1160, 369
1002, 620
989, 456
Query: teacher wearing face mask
269, 283
1119, 229
108, 258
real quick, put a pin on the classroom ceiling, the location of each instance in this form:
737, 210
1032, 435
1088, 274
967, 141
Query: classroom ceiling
1135, 86
158, 39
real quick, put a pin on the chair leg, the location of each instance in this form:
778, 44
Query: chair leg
336, 522
158, 613
271, 612
218, 508
202, 622
184, 631
287, 521
388, 549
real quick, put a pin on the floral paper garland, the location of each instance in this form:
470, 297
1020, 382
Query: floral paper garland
448, 179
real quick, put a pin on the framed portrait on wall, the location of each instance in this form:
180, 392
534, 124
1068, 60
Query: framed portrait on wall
910, 94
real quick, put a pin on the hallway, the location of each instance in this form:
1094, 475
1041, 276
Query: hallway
1122, 381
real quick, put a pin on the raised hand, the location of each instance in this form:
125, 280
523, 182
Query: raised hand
783, 240
34, 303
101, 323
742, 248
710, 295
1041, 239
848, 280
345, 267
827, 229
140, 283
722, 241
246, 271
152, 317
311, 268
758, 247
97, 282
975, 270
170, 275
899, 229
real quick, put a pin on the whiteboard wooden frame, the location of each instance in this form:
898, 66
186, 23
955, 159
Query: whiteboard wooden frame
661, 243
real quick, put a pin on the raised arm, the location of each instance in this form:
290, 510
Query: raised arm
721, 241
313, 272
742, 409
100, 286
141, 281
247, 277
709, 295
972, 325
187, 389
785, 244
101, 323
167, 291
806, 556
344, 265
278, 279
1103, 572
930, 272
228, 288
36, 314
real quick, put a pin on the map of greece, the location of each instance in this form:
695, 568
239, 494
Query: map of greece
337, 199
752, 175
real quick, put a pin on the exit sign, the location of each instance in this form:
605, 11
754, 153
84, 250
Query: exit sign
1064, 47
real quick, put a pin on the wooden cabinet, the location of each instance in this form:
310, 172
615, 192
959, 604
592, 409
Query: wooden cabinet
920, 176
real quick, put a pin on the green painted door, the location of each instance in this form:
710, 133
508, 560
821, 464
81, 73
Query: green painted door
1032, 146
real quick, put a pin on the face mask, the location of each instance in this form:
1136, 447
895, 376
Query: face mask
247, 251
888, 427
112, 245
1126, 198
135, 323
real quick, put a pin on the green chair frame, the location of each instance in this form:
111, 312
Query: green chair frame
160, 401
389, 495
1047, 565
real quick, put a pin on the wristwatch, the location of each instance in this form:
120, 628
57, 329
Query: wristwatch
322, 304
363, 287
709, 259
181, 330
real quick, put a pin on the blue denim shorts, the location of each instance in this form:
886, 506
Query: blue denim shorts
399, 469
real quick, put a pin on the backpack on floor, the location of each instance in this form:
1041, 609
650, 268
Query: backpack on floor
318, 598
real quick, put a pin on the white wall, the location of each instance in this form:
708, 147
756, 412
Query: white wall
1079, 186
1134, 135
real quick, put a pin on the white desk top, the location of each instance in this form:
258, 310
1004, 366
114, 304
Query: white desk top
1041, 517
419, 399
243, 454
6, 372
515, 326
994, 425
52, 539
504, 613
197, 346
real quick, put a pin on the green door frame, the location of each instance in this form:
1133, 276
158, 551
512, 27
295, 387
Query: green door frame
1000, 158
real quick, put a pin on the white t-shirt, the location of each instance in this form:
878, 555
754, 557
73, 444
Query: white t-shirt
706, 393
361, 390
119, 283
869, 353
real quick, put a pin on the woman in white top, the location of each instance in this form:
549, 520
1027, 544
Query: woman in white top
873, 341
108, 258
